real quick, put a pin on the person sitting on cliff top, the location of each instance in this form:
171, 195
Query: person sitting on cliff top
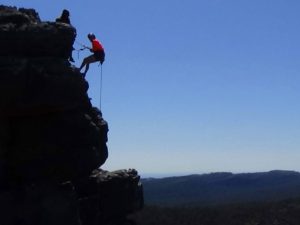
64, 18
97, 56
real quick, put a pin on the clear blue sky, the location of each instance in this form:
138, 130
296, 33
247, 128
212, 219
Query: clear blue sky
193, 86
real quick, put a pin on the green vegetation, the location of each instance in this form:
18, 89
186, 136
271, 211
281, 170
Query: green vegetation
222, 188
269, 213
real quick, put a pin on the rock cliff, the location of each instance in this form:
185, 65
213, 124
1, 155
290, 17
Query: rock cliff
52, 140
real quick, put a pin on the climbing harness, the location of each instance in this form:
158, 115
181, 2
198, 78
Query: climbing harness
83, 47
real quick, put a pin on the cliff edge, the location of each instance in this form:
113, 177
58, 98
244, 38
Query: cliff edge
52, 140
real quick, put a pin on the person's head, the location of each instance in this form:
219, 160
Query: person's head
65, 13
91, 36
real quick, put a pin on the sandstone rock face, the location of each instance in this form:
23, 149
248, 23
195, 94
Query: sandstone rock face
51, 137
114, 195
48, 126
23, 34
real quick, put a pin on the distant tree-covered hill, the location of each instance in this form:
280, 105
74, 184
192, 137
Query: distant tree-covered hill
221, 188
272, 213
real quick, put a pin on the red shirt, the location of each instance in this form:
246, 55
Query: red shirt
97, 46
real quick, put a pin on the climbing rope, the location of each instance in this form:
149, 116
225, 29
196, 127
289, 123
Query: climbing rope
83, 47
100, 85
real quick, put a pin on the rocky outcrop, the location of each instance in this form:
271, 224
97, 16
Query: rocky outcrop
48, 125
115, 195
51, 137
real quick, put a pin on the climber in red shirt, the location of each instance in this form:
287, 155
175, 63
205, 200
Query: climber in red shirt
98, 53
